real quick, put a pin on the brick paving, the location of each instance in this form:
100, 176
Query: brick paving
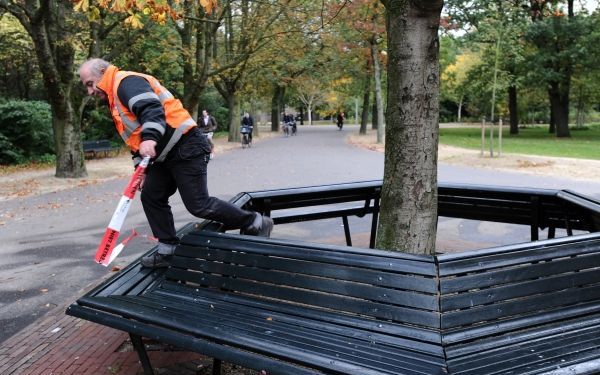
61, 344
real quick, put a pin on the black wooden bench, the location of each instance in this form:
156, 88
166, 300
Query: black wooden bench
96, 148
286, 308
292, 307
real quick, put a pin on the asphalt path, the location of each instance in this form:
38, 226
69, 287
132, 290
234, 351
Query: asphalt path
47, 245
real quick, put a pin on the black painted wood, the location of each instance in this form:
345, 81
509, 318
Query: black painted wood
295, 307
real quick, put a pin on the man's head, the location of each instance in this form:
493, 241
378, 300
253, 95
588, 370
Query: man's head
90, 74
204, 113
246, 114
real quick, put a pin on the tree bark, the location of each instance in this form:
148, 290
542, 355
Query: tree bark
374, 114
47, 26
559, 104
378, 97
364, 118
513, 110
276, 107
408, 217
234, 120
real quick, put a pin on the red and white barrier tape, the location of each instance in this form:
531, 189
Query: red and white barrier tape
104, 254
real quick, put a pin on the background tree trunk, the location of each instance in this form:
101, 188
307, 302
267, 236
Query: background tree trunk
513, 109
277, 107
364, 118
51, 36
408, 218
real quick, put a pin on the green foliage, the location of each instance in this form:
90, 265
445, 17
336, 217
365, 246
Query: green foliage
96, 123
19, 74
25, 131
222, 117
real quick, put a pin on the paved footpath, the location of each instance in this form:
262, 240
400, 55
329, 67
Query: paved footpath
47, 248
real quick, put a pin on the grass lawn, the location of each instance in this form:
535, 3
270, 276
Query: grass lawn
583, 144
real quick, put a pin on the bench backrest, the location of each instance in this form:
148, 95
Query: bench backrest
96, 144
386, 286
509, 293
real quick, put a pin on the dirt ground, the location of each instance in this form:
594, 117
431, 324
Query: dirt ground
23, 183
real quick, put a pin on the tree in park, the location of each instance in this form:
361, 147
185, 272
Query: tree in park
51, 28
556, 33
248, 29
455, 79
310, 93
495, 31
408, 218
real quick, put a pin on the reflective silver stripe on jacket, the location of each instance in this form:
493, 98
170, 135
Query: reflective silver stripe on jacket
137, 98
155, 126
175, 138
130, 125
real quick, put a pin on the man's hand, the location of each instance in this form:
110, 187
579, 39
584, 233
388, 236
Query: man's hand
148, 148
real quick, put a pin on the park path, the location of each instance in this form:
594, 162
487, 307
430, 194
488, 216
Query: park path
48, 241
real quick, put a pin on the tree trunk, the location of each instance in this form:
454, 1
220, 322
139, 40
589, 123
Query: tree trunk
276, 107
559, 105
364, 118
378, 98
374, 114
408, 218
460, 105
552, 125
55, 55
234, 119
512, 109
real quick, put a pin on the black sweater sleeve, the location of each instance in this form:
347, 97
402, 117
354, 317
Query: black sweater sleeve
137, 94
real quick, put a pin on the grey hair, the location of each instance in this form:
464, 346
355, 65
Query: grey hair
96, 66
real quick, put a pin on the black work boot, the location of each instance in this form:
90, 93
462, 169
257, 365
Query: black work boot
261, 226
156, 260
161, 258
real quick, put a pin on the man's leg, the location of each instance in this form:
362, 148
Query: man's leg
159, 186
191, 178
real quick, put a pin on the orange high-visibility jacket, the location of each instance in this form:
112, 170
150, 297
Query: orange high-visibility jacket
126, 122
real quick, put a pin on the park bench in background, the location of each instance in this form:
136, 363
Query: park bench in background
97, 148
294, 307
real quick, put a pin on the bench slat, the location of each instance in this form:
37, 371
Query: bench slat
136, 308
510, 258
308, 297
517, 356
456, 349
132, 281
275, 278
367, 258
307, 266
521, 306
417, 335
306, 334
505, 276
523, 289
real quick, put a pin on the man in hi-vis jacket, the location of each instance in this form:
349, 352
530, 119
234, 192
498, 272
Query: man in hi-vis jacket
153, 123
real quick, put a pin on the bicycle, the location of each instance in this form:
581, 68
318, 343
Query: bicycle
246, 140
286, 129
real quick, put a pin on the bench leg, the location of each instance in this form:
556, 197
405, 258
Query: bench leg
141, 350
347, 231
216, 370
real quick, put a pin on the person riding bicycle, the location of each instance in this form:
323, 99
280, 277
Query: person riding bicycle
289, 123
248, 124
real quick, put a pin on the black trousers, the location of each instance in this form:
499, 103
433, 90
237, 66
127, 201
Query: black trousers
185, 169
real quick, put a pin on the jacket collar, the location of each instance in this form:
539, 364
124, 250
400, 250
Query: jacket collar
107, 81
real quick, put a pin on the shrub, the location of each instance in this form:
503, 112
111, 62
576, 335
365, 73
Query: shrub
26, 131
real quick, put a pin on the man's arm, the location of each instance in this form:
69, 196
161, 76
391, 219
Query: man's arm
137, 94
